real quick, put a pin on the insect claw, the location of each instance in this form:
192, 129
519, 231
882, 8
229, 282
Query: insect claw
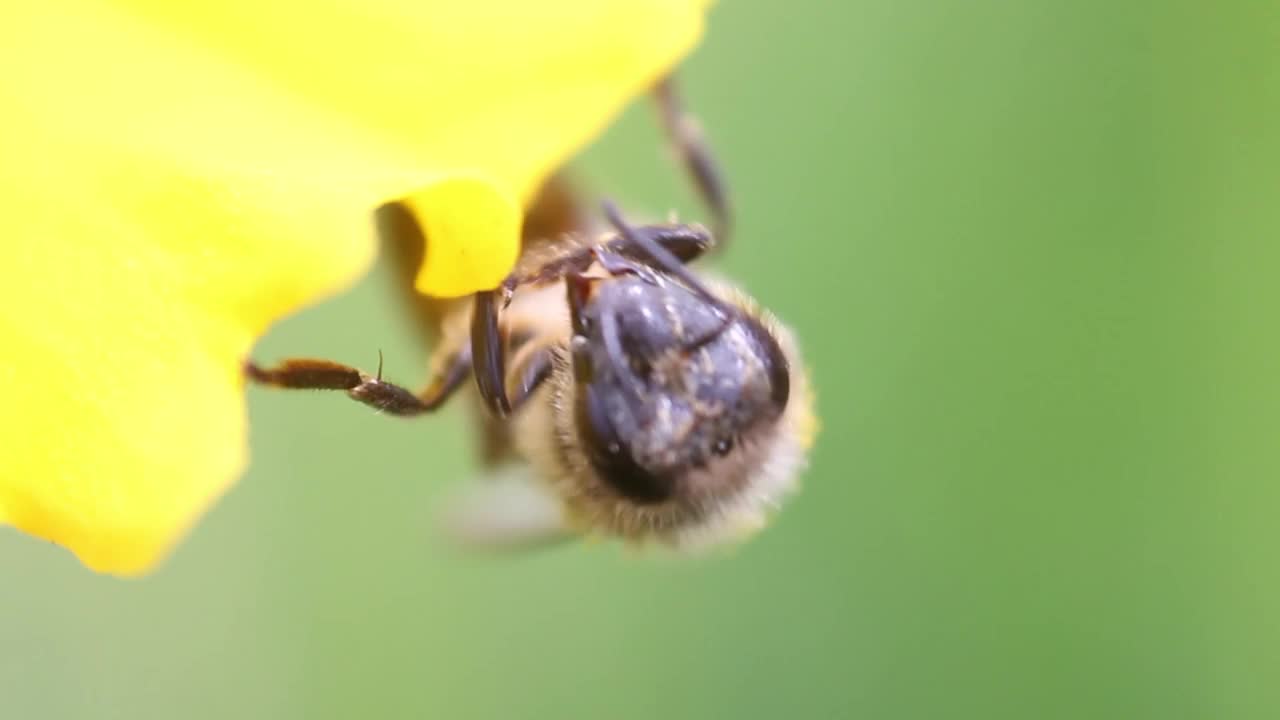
255, 373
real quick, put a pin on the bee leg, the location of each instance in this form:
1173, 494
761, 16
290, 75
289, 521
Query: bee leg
684, 242
302, 374
487, 354
616, 264
574, 262
662, 258
489, 362
670, 264
529, 374
307, 374
687, 138
626, 252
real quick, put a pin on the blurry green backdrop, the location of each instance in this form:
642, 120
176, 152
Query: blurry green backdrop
1030, 248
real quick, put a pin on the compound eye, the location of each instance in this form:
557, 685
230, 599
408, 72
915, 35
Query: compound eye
722, 447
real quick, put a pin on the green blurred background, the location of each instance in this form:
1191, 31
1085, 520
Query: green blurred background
1030, 248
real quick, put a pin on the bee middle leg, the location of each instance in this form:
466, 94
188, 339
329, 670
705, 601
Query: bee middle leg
372, 390
646, 247
684, 243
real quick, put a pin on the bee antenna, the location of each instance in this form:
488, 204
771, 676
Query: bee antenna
662, 258
618, 356
378, 377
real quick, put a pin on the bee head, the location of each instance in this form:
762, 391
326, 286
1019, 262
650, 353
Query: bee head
673, 392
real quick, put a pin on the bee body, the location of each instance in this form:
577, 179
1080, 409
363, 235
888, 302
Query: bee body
652, 415
620, 392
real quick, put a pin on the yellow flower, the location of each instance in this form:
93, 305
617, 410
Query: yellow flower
176, 176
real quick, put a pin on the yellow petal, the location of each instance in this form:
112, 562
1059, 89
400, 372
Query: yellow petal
177, 176
472, 234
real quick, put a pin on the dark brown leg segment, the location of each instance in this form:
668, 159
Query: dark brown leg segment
660, 257
684, 242
488, 351
301, 374
371, 390
685, 135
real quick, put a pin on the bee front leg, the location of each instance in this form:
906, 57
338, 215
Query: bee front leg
307, 374
616, 264
686, 136
489, 362
634, 242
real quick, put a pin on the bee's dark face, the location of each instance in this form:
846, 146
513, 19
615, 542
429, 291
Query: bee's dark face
668, 383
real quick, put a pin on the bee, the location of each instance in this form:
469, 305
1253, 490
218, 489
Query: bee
621, 393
